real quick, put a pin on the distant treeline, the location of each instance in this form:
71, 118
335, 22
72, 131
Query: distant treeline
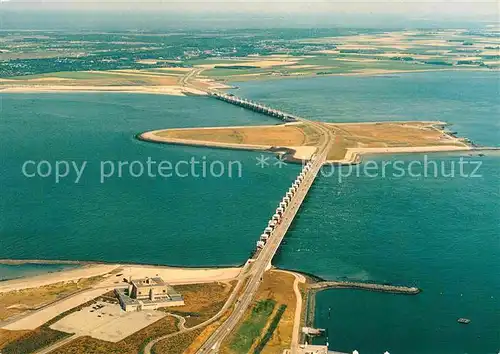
236, 67
112, 51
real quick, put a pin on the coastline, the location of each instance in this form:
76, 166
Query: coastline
377, 72
159, 90
100, 279
20, 261
293, 154
175, 275
354, 156
219, 83
360, 156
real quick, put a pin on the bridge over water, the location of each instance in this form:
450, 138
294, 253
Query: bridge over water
255, 106
274, 233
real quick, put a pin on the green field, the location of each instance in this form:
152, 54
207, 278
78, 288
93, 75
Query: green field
46, 52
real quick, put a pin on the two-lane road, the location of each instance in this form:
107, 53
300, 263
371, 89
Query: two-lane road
267, 253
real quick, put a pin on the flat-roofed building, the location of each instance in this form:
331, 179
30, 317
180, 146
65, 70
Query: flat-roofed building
148, 293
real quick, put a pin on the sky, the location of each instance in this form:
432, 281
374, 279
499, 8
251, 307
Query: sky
222, 14
446, 8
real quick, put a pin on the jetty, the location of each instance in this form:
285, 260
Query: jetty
396, 289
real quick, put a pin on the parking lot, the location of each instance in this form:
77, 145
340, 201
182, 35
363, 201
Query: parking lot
106, 321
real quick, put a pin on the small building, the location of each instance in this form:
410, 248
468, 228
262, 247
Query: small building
313, 331
147, 289
148, 294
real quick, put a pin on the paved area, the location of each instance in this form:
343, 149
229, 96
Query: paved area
38, 318
106, 321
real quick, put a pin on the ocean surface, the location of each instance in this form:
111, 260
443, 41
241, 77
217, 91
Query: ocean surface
179, 220
439, 233
14, 271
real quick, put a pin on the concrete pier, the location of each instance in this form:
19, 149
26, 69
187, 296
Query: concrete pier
366, 286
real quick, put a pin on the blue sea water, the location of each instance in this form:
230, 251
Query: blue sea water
14, 271
441, 234
176, 221
467, 100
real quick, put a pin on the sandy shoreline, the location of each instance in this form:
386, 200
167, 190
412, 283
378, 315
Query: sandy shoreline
111, 276
367, 73
299, 152
352, 156
173, 275
355, 155
159, 90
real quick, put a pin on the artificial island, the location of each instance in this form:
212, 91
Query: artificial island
256, 308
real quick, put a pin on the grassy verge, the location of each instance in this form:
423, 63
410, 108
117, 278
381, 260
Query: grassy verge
251, 328
176, 344
203, 301
16, 302
34, 340
270, 330
278, 287
7, 336
43, 336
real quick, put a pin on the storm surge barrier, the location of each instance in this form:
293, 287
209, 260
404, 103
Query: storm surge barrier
254, 106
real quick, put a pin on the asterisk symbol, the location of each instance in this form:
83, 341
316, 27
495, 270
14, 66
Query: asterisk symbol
262, 161
280, 162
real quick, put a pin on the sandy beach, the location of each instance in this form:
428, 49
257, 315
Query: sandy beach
159, 90
170, 274
109, 282
62, 276
354, 155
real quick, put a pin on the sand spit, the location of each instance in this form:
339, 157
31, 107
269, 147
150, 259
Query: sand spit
171, 274
152, 137
354, 155
296, 152
160, 90
57, 277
